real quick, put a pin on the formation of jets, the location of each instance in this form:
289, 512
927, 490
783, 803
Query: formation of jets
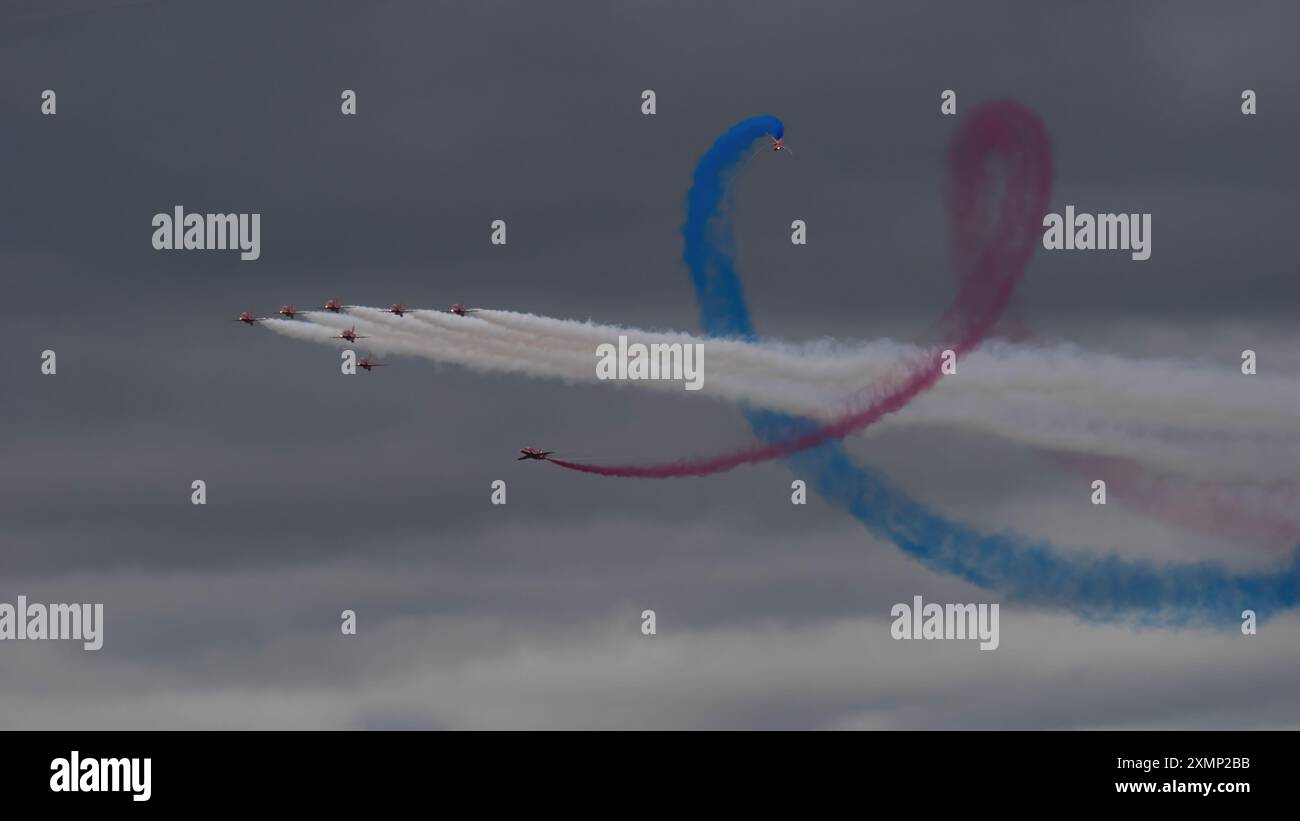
336, 307
368, 363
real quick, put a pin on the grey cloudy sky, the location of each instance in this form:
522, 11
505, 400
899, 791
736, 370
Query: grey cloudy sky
372, 493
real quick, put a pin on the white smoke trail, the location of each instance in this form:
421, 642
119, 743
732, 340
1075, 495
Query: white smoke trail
1189, 418
1044, 394
817, 363
1147, 391
461, 341
385, 334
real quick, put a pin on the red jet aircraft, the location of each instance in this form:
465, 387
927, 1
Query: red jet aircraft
367, 364
534, 453
333, 306
461, 310
247, 318
350, 334
399, 309
288, 312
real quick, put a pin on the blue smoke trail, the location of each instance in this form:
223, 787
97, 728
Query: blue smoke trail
709, 245
1099, 588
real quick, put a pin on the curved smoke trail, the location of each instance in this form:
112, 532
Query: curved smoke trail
1193, 421
1053, 397
1264, 513
992, 245
1102, 587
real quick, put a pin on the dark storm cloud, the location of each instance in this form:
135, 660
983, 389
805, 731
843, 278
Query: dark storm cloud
372, 492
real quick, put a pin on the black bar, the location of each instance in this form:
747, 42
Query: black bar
971, 769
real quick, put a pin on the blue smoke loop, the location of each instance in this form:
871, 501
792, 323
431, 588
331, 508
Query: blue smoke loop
1103, 588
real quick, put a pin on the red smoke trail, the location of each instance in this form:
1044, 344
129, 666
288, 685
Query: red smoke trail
992, 243
1256, 512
